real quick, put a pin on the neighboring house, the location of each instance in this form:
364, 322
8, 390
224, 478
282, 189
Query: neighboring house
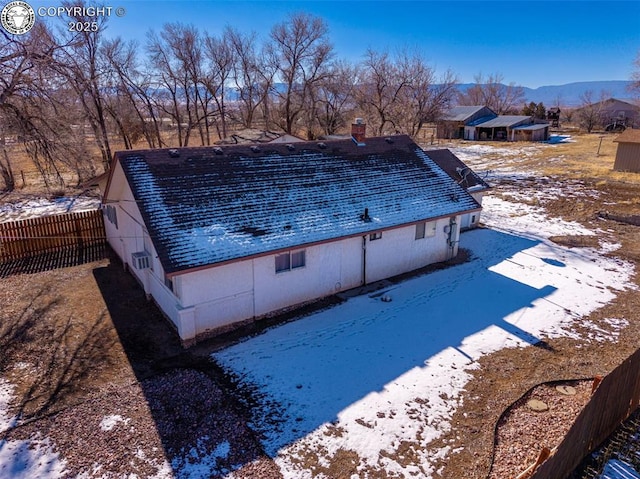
512, 128
482, 123
613, 114
465, 177
452, 124
628, 151
222, 235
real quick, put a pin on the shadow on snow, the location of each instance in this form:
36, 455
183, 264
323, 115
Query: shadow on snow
310, 370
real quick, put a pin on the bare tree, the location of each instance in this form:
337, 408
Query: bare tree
6, 171
252, 76
491, 92
300, 52
336, 97
131, 105
379, 91
30, 99
400, 94
85, 68
589, 111
175, 55
635, 76
219, 53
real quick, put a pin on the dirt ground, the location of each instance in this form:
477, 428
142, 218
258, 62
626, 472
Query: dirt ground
83, 342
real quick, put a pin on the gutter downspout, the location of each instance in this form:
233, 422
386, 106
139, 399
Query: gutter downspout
453, 229
364, 260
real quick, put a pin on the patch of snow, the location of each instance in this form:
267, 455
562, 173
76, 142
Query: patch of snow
43, 207
607, 247
33, 459
555, 139
617, 469
526, 220
6, 396
109, 422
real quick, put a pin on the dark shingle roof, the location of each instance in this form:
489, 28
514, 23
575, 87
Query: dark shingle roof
462, 113
209, 205
457, 169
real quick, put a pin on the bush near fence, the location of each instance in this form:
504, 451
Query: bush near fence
615, 399
51, 234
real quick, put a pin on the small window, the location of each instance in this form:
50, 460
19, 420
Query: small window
168, 282
111, 213
297, 259
375, 236
288, 261
283, 262
425, 230
473, 218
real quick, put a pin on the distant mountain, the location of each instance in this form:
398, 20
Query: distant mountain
569, 94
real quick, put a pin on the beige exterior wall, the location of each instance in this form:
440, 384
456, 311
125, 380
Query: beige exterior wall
628, 157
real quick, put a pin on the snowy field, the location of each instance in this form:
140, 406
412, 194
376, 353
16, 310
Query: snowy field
383, 379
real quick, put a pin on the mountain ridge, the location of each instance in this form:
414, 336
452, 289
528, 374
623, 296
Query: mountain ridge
570, 94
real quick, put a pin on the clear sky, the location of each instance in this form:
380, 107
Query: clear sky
529, 42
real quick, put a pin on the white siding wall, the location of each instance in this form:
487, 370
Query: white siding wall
398, 251
252, 288
329, 268
220, 296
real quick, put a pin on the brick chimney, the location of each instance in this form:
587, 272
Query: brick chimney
359, 131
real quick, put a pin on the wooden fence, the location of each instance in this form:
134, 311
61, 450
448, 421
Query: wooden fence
615, 399
51, 234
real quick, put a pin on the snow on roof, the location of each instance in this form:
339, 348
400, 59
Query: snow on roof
209, 205
537, 126
456, 169
504, 120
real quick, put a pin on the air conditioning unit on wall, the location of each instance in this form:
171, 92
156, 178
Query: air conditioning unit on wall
141, 260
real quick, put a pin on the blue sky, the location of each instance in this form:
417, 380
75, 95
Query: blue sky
531, 43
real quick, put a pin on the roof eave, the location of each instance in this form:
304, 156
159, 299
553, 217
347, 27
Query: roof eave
194, 269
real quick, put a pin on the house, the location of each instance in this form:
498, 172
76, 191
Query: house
453, 124
511, 128
482, 123
465, 177
613, 114
628, 151
218, 236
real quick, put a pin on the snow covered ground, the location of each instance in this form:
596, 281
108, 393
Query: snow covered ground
35, 207
382, 379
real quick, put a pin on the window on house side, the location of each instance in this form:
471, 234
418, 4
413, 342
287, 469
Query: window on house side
168, 283
426, 230
375, 236
290, 260
283, 262
297, 259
